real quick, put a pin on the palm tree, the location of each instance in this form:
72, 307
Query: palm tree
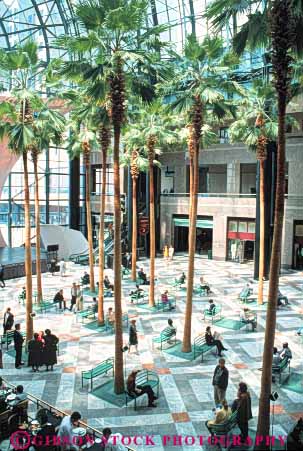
48, 128
104, 140
110, 50
82, 141
196, 89
256, 126
153, 128
254, 31
20, 65
134, 158
283, 37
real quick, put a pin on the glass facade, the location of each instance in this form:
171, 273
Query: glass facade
53, 169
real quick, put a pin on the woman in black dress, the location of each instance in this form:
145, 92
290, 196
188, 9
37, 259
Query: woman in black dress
133, 336
210, 340
35, 353
50, 349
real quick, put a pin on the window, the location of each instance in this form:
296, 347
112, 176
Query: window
97, 179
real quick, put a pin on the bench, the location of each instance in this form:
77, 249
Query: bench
180, 286
143, 378
87, 313
109, 326
45, 306
165, 336
283, 365
202, 290
125, 271
215, 313
223, 428
142, 295
99, 370
139, 281
168, 305
245, 295
108, 293
8, 338
200, 346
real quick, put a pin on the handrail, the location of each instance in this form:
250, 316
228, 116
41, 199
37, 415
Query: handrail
43, 404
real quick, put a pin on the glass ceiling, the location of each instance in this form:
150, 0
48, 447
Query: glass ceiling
43, 21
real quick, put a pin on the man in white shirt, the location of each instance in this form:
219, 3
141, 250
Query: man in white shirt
111, 441
62, 265
65, 431
20, 396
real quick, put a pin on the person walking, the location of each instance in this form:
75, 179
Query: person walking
171, 252
220, 382
50, 349
133, 336
73, 293
2, 276
8, 320
18, 343
35, 353
242, 404
62, 266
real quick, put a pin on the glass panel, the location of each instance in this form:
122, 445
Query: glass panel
251, 227
242, 226
232, 226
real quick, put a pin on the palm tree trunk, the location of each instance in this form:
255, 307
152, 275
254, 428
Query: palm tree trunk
119, 381
89, 216
28, 253
262, 234
186, 345
282, 41
101, 241
38, 233
134, 229
152, 237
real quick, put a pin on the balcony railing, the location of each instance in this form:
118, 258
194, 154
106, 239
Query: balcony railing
224, 195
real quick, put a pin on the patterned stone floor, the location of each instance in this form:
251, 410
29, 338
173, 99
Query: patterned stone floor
186, 398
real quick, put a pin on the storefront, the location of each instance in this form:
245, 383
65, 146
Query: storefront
204, 233
298, 245
240, 239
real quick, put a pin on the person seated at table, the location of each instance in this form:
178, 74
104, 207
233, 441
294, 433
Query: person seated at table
212, 340
246, 292
133, 388
285, 352
20, 396
46, 431
166, 300
182, 279
204, 285
60, 299
143, 277
107, 284
211, 306
282, 300
110, 316
222, 414
85, 280
247, 316
112, 442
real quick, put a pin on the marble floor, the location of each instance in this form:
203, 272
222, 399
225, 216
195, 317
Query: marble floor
186, 394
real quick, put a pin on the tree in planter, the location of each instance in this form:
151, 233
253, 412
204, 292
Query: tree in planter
283, 39
110, 49
138, 163
153, 131
48, 128
20, 65
196, 90
83, 141
104, 138
257, 125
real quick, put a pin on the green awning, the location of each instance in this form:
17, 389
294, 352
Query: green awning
201, 223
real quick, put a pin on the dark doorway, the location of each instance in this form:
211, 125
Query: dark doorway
204, 240
298, 245
249, 247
